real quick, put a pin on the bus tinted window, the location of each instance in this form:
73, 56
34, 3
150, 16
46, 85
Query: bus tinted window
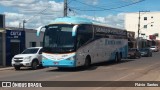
85, 33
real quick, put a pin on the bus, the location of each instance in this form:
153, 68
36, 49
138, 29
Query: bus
74, 41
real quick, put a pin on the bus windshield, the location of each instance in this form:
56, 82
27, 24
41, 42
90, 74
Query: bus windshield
59, 39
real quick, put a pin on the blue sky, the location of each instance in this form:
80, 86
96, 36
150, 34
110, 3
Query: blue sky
41, 12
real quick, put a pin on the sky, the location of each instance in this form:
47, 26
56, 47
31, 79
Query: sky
38, 13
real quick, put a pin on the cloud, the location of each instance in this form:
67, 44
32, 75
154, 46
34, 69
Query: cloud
35, 12
13, 16
13, 19
16, 3
93, 2
42, 12
110, 20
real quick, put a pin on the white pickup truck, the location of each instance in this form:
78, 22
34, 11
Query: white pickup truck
30, 57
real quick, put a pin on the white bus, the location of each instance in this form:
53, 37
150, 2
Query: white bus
73, 42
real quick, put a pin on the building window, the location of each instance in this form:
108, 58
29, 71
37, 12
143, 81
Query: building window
145, 18
32, 44
151, 25
41, 44
145, 26
151, 16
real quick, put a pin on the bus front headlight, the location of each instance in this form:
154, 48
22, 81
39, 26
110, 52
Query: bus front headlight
72, 58
44, 58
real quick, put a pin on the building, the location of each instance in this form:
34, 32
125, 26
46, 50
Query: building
15, 44
32, 40
2, 39
131, 39
2, 46
149, 26
14, 40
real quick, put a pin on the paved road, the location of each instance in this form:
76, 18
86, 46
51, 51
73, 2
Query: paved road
144, 69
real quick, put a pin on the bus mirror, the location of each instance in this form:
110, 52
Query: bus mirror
39, 30
74, 30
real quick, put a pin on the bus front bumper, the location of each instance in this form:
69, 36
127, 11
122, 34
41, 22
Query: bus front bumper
59, 63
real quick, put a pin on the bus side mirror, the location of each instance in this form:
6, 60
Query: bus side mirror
74, 30
39, 30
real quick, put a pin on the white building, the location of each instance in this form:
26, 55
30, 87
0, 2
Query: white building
149, 24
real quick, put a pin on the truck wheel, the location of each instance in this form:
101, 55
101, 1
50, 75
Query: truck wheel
34, 65
17, 67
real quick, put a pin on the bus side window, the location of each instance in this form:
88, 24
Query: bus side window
85, 33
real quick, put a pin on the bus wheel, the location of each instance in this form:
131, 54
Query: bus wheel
117, 57
87, 62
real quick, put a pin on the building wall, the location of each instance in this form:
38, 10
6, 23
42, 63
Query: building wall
31, 37
10, 37
18, 40
2, 48
152, 22
1, 60
15, 44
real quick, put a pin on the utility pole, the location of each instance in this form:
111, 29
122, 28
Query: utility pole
24, 21
65, 8
139, 18
139, 24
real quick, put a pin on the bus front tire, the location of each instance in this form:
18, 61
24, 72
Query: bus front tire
87, 62
118, 57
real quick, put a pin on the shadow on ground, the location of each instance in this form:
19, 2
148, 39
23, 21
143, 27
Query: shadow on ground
28, 69
92, 67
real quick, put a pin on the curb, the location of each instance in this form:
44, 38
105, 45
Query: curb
7, 68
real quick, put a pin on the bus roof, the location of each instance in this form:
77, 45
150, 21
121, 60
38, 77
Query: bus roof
72, 20
78, 20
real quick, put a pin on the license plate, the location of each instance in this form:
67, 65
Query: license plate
56, 63
17, 63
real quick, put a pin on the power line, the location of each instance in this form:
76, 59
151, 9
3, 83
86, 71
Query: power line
72, 10
95, 10
38, 13
70, 1
104, 9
